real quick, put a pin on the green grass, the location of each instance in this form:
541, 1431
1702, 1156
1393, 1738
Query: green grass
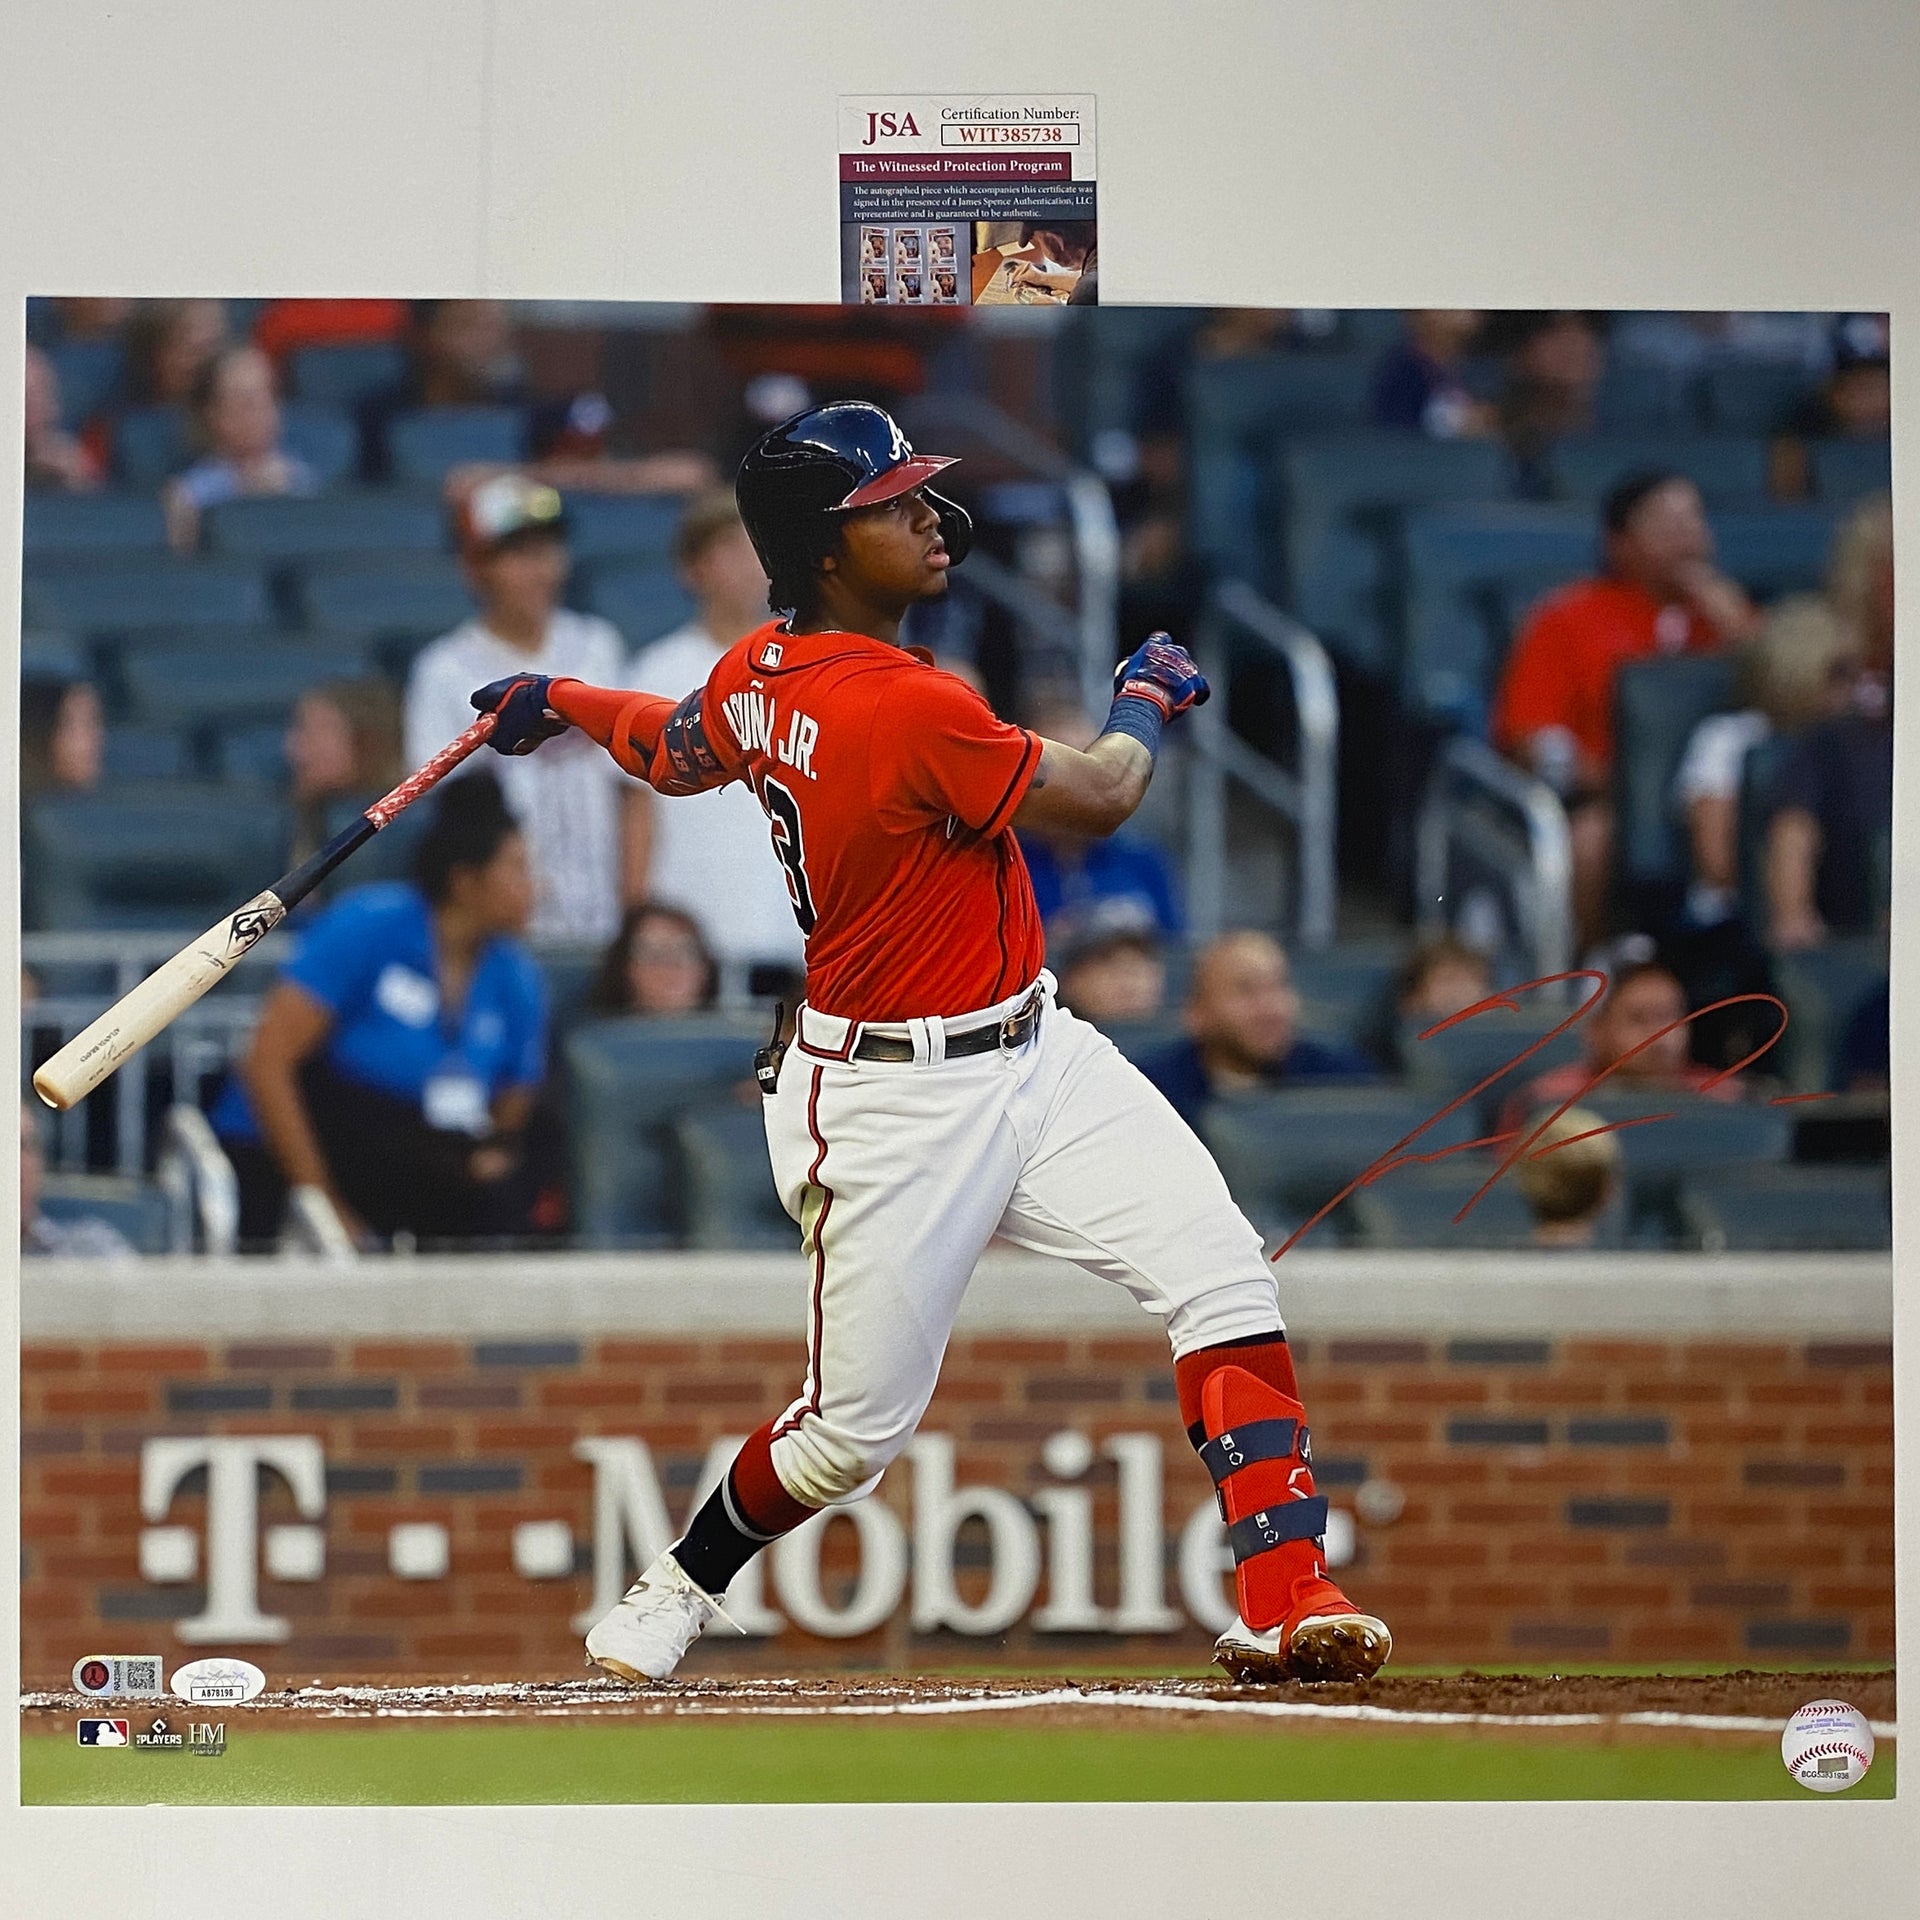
690, 1762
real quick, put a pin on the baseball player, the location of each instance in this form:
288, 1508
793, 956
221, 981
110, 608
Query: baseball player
932, 1093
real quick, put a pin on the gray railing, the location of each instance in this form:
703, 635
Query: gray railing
1089, 628
1513, 826
1306, 796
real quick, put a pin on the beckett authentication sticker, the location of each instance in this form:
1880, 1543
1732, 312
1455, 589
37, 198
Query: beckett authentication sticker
981, 200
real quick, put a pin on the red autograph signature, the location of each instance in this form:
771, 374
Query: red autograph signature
1524, 1147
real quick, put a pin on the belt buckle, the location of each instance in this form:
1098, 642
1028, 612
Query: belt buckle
1011, 1035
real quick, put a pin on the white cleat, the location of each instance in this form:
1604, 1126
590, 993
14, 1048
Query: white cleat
1327, 1646
660, 1616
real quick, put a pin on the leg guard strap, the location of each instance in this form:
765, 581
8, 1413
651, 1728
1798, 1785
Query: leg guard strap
1277, 1526
1252, 1440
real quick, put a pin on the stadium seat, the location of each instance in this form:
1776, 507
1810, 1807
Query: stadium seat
1847, 470
321, 436
134, 1208
1285, 1154
424, 446
1138, 1038
1702, 1132
1415, 1207
159, 593
569, 972
644, 602
343, 376
1340, 492
92, 523
623, 526
1787, 1209
208, 687
628, 1080
345, 523
1657, 704
1454, 559
1823, 988
1722, 466
90, 372
1343, 988
143, 754
251, 753
50, 656
1645, 397
1373, 330
370, 597
1744, 396
1457, 1058
163, 857
1775, 549
731, 1201
1238, 410
151, 444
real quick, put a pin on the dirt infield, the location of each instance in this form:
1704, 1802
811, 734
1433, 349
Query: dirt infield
1590, 1705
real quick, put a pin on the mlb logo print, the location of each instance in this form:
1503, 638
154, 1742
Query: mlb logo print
105, 1733
770, 654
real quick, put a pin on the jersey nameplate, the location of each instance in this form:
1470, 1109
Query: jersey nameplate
756, 726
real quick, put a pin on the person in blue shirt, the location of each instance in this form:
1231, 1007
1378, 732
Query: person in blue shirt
397, 1058
1241, 1017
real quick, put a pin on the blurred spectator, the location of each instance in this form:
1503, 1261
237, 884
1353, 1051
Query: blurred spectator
1112, 970
236, 422
1554, 362
1860, 588
1828, 854
63, 737
1863, 1061
461, 353
1442, 976
1690, 342
1071, 874
1660, 593
710, 852
286, 326
576, 806
659, 963
81, 1238
1570, 1187
1635, 1037
1419, 386
343, 750
56, 460
169, 343
397, 1057
1241, 1017
1854, 402
80, 317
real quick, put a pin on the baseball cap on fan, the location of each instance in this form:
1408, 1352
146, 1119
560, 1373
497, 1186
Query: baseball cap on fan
506, 507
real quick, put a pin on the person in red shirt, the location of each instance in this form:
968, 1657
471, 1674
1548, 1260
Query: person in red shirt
934, 1094
1553, 712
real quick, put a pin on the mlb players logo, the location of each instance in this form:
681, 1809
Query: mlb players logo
105, 1733
770, 654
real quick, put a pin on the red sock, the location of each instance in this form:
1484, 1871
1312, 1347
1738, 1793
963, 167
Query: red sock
765, 1504
1268, 1358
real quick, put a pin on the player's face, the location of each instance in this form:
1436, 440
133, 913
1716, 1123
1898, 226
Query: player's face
893, 552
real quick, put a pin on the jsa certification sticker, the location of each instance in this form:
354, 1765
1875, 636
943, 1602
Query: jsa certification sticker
955, 200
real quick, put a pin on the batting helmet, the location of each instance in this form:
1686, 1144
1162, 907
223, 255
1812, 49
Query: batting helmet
832, 460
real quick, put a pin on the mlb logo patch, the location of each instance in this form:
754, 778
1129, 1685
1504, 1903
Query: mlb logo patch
770, 654
105, 1733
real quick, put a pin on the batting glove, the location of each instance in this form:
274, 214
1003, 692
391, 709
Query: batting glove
1163, 673
523, 718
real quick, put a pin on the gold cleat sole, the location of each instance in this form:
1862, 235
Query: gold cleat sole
1342, 1646
1250, 1669
620, 1670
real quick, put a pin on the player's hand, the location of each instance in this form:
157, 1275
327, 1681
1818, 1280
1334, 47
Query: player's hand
1163, 672
523, 717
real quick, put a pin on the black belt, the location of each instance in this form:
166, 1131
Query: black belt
1009, 1035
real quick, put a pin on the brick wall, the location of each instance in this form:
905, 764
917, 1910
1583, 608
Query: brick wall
1593, 1498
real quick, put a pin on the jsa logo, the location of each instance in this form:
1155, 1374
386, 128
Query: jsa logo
890, 126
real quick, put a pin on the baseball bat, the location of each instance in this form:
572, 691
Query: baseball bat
126, 1026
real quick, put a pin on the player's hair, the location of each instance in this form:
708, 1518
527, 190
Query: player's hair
1626, 499
708, 516
1573, 1182
470, 825
795, 585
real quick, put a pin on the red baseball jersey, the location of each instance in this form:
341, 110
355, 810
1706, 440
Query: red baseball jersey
889, 787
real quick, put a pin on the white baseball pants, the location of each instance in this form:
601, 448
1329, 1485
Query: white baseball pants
900, 1174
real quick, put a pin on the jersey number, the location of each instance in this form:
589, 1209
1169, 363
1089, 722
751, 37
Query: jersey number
783, 814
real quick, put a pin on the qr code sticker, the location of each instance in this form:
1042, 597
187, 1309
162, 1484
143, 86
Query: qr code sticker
141, 1676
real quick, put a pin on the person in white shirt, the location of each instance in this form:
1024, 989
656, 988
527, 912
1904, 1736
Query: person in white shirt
711, 854
580, 814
